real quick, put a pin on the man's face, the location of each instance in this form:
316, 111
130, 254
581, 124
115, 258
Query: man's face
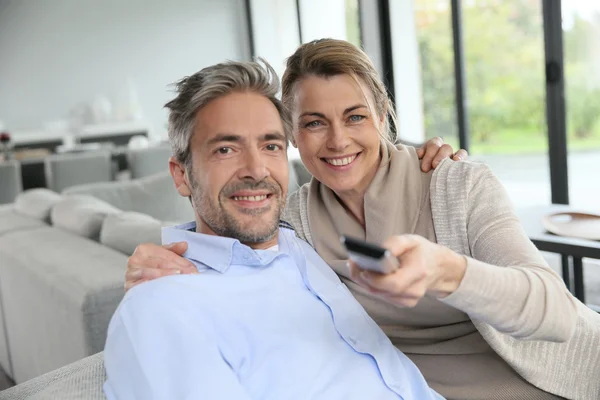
239, 175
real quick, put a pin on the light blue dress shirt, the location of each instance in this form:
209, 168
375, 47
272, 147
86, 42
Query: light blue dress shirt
255, 324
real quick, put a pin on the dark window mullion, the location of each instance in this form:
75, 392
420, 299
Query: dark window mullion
299, 15
387, 60
250, 28
555, 101
460, 85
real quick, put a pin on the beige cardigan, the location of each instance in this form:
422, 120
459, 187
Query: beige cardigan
565, 363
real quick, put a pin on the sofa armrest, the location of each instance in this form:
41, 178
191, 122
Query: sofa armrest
80, 380
59, 291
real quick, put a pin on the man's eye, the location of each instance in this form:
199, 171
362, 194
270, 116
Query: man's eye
273, 147
224, 150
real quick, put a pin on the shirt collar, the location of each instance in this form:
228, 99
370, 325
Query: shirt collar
210, 250
216, 252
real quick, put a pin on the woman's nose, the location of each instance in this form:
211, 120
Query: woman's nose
337, 139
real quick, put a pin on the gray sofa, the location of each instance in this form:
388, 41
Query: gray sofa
62, 264
10, 181
81, 380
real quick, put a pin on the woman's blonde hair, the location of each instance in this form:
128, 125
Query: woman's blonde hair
331, 57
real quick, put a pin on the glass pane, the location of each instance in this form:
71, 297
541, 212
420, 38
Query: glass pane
504, 61
353, 22
581, 37
337, 19
434, 35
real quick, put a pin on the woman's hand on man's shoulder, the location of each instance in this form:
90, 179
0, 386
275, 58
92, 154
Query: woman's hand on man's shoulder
435, 150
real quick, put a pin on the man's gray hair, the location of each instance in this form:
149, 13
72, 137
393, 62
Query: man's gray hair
199, 89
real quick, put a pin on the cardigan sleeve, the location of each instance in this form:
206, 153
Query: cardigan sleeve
507, 284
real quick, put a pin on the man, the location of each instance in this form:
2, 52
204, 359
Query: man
266, 318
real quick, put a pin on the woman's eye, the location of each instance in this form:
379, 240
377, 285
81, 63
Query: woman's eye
273, 147
224, 150
313, 124
356, 118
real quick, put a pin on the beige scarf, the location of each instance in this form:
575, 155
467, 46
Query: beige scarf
329, 219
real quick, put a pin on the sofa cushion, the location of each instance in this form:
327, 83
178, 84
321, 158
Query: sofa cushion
154, 195
82, 215
37, 203
124, 231
11, 221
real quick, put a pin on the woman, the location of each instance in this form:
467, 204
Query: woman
474, 305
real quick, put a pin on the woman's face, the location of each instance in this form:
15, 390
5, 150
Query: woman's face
336, 134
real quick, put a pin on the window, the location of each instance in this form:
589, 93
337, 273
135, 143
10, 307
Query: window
581, 40
337, 19
434, 36
353, 22
505, 79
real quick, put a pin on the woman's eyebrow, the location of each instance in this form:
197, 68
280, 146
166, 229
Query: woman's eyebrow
321, 115
354, 107
312, 114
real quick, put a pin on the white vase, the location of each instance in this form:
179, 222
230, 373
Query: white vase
101, 110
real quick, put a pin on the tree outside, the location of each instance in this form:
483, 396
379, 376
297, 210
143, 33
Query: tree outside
504, 61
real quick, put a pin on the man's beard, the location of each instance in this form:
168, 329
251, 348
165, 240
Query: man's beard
224, 223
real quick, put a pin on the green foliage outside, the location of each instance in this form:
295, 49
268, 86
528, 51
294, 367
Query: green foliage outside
353, 23
504, 59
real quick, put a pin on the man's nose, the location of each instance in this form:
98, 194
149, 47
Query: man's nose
255, 167
337, 139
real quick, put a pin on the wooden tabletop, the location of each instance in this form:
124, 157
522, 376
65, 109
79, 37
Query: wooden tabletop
531, 219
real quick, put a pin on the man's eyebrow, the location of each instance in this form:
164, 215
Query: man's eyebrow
224, 137
274, 136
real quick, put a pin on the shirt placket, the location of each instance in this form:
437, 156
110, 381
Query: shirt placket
350, 320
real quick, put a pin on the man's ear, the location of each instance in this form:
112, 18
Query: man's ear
180, 177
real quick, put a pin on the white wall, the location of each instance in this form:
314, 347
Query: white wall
275, 27
407, 72
323, 19
55, 54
